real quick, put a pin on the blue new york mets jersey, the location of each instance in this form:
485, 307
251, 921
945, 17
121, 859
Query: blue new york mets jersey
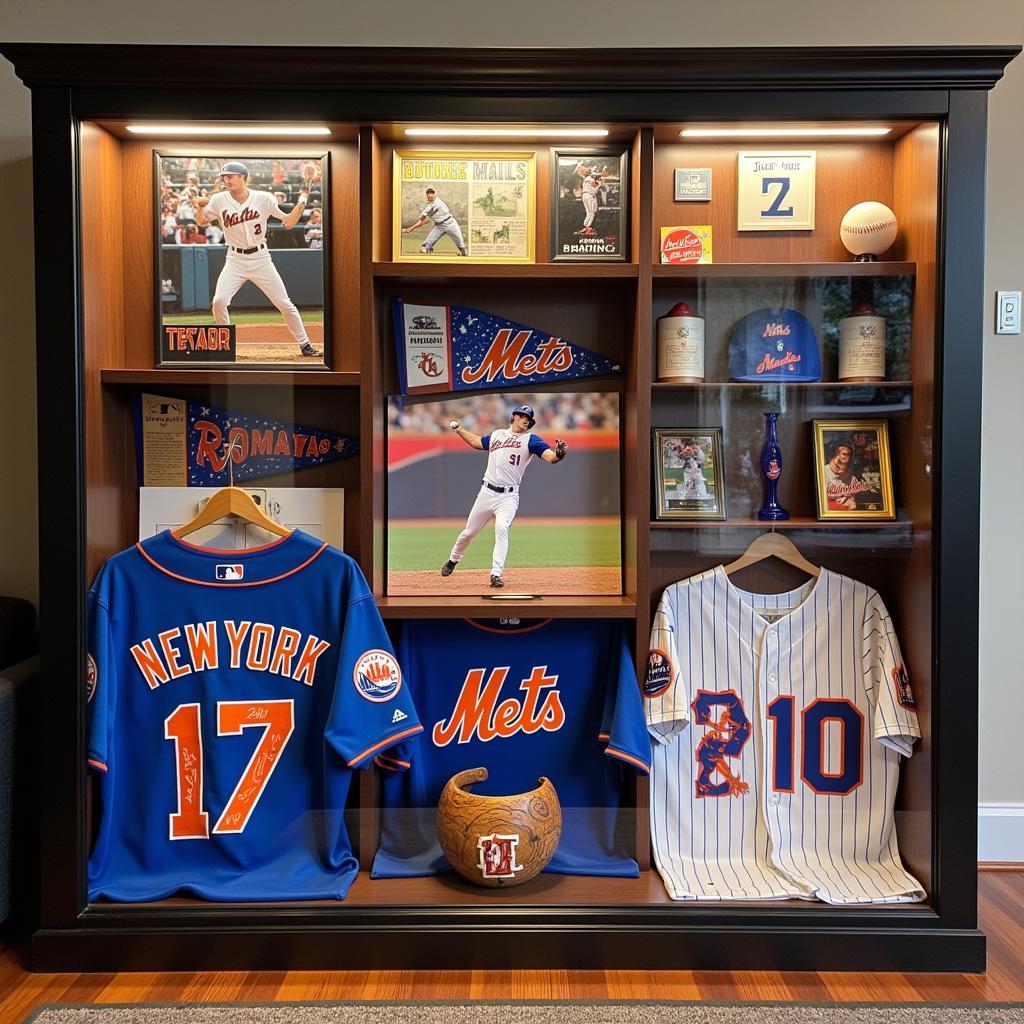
231, 696
523, 700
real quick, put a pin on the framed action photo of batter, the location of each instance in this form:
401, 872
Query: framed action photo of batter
476, 207
689, 480
589, 205
492, 495
242, 257
853, 470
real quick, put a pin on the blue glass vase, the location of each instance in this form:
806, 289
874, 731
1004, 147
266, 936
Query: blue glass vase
771, 466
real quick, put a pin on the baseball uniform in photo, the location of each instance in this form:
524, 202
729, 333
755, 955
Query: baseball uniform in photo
245, 228
557, 699
231, 696
508, 455
444, 224
779, 722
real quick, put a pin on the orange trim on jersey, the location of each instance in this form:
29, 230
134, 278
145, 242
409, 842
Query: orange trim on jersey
99, 764
393, 760
384, 744
391, 764
205, 583
630, 759
505, 632
222, 551
604, 737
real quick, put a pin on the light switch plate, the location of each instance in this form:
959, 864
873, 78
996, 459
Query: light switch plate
1008, 312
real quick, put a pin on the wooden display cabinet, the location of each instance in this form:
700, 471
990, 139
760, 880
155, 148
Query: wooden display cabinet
95, 322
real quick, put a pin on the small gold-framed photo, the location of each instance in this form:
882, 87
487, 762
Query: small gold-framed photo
853, 469
689, 478
477, 207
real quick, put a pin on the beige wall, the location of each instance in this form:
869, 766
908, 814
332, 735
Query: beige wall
596, 23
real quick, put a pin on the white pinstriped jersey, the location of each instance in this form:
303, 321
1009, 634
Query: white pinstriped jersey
779, 722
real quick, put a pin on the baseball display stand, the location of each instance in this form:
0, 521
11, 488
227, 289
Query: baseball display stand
757, 767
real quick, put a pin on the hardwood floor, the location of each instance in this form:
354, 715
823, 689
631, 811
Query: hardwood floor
1001, 912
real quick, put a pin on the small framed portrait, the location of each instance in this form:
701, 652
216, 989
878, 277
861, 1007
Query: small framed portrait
242, 256
689, 479
853, 471
477, 207
589, 205
775, 190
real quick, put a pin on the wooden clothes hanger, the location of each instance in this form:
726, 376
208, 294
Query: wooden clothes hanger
765, 546
231, 501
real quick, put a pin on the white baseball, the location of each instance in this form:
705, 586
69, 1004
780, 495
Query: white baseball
453, 424
868, 228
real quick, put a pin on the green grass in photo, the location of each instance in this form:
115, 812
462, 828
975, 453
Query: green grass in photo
315, 316
530, 547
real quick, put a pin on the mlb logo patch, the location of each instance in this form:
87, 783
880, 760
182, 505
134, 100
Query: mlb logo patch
498, 856
230, 572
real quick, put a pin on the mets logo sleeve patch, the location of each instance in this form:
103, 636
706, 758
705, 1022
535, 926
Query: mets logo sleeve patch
523, 699
778, 723
227, 712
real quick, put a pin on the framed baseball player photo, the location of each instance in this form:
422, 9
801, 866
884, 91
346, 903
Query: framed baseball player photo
589, 205
853, 471
504, 494
242, 257
689, 480
474, 206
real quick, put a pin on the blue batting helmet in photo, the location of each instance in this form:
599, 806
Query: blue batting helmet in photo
526, 410
235, 168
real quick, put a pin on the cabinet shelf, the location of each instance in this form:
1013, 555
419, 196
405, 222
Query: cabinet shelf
561, 607
697, 271
795, 523
225, 378
528, 273
820, 385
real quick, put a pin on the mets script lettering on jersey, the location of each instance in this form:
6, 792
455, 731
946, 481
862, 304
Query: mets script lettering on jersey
232, 219
478, 715
256, 646
505, 357
522, 699
245, 224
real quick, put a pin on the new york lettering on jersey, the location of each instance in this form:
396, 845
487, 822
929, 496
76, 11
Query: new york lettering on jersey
779, 722
231, 694
509, 454
522, 699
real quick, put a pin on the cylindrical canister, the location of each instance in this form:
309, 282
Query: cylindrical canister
862, 345
681, 346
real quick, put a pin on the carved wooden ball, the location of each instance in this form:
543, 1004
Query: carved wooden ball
498, 841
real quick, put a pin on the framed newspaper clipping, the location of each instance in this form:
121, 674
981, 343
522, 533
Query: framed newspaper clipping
451, 206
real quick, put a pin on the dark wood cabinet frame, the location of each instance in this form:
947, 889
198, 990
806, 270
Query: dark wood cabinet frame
74, 84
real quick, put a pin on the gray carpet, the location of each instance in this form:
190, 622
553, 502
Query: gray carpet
534, 1012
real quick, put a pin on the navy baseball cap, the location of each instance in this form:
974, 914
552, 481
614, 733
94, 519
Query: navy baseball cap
774, 345
526, 410
235, 168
